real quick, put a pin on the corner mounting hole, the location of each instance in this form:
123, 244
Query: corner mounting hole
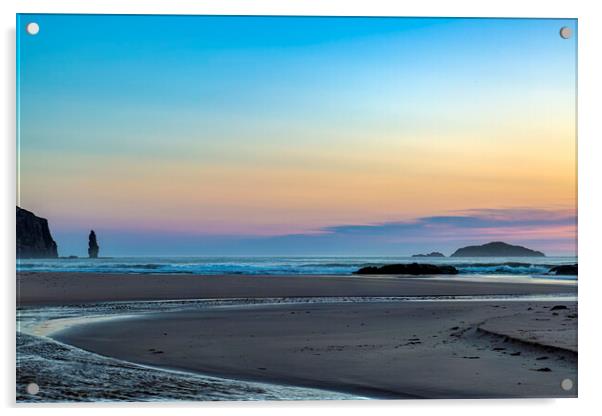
567, 384
32, 28
33, 388
565, 32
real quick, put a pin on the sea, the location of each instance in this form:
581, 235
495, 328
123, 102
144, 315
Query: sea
509, 266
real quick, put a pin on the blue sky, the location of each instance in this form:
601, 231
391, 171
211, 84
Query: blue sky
188, 130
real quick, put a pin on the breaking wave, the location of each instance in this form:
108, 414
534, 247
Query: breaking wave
285, 265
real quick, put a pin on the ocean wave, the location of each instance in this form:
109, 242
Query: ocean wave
502, 268
277, 265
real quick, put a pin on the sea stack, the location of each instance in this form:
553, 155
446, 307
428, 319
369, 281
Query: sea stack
92, 245
34, 240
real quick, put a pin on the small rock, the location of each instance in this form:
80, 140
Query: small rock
565, 270
408, 269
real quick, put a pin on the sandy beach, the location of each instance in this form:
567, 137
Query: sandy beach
35, 288
402, 349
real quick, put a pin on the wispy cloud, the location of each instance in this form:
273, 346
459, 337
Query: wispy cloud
551, 231
473, 222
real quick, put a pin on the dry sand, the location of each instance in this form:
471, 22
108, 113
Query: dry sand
408, 349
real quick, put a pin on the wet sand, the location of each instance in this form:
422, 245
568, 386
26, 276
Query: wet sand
381, 350
35, 288
406, 349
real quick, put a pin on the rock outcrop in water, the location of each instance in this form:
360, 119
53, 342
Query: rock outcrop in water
564, 270
93, 245
433, 254
412, 268
34, 240
496, 249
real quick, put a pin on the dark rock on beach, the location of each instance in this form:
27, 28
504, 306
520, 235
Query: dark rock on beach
564, 270
33, 237
433, 254
93, 245
497, 249
412, 269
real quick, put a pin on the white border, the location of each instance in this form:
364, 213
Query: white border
508, 8
590, 206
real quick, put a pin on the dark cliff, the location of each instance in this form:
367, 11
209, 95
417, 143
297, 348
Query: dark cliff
33, 237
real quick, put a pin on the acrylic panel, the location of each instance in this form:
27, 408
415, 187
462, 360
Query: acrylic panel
295, 208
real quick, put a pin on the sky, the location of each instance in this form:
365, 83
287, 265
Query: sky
208, 135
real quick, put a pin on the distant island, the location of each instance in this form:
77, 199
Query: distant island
496, 249
433, 254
